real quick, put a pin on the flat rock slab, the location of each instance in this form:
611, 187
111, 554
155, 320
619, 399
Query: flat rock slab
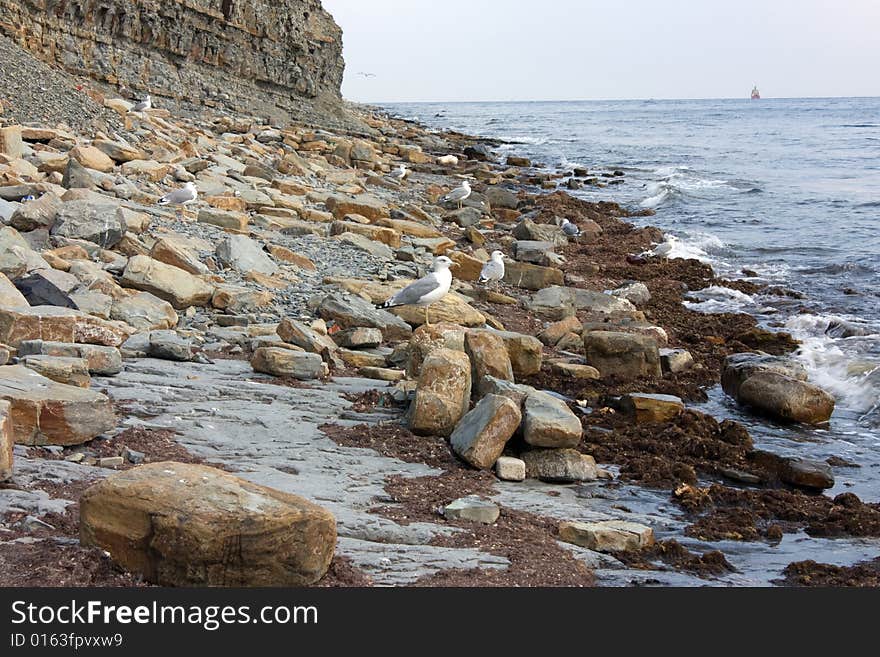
101, 360
191, 525
607, 536
58, 325
472, 508
44, 412
644, 407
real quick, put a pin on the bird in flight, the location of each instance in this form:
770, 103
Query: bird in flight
367, 75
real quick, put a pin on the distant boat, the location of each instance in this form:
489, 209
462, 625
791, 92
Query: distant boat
756, 95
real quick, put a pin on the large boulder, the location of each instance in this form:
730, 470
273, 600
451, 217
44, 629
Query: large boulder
144, 311
191, 525
443, 393
172, 284
739, 367
279, 361
244, 254
101, 360
480, 437
549, 422
58, 325
428, 337
350, 311
560, 465
624, 356
488, 355
44, 412
525, 352
101, 223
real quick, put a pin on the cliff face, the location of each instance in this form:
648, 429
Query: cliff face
249, 55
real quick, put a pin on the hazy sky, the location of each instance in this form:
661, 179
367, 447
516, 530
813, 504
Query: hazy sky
448, 50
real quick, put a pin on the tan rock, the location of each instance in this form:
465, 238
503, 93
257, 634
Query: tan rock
426, 339
59, 325
71, 371
411, 228
360, 359
488, 356
387, 236
575, 370
553, 332
6, 441
549, 422
286, 255
532, 277
468, 268
144, 311
148, 169
223, 202
525, 352
364, 204
10, 297
288, 363
44, 412
382, 373
178, 252
624, 356
101, 360
643, 407
10, 141
92, 158
482, 433
443, 393
607, 536
190, 525
172, 284
234, 221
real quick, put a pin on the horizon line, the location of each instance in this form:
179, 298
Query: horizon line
596, 100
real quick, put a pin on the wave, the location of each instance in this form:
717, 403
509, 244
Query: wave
676, 183
697, 246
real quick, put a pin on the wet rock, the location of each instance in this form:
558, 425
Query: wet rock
244, 254
472, 508
644, 407
172, 284
481, 435
634, 292
144, 311
350, 311
488, 355
806, 473
675, 360
624, 356
739, 367
840, 328
443, 393
6, 441
44, 412
101, 223
479, 152
607, 536
509, 468
785, 398
525, 352
549, 422
278, 361
190, 525
68, 370
168, 345
560, 465
427, 338
101, 360
516, 161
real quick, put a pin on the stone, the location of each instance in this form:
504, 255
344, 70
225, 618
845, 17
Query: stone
71, 371
488, 356
10, 141
360, 359
288, 256
532, 251
100, 360
465, 217
172, 284
481, 435
443, 393
516, 161
785, 398
452, 308
501, 197
110, 462
549, 422
286, 362
468, 267
93, 303
560, 465
48, 287
635, 292
244, 254
43, 412
76, 176
101, 223
525, 353
608, 535
643, 407
675, 361
364, 243
479, 152
36, 214
191, 525
532, 277
306, 338
169, 345
739, 367
10, 297
237, 299
144, 311
117, 151
350, 311
427, 338
516, 392
234, 221
510, 468
92, 158
558, 302
147, 169
366, 205
358, 338
178, 253
58, 325
382, 374
7, 442
473, 509
381, 234
806, 473
575, 370
624, 356
529, 230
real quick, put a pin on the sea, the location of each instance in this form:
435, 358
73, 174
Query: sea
778, 191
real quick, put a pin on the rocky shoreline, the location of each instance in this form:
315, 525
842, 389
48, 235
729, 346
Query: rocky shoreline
238, 344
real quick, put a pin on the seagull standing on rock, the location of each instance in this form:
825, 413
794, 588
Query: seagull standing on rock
570, 229
181, 197
143, 105
426, 291
493, 270
459, 194
400, 173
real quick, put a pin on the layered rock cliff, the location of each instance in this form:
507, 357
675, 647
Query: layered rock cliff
265, 56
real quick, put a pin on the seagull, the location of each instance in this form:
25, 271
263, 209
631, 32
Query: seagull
459, 194
570, 229
493, 270
399, 174
183, 196
426, 291
143, 105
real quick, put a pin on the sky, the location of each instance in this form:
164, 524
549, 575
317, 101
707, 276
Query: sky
479, 50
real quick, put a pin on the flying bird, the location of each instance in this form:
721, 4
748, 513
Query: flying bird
459, 194
570, 229
367, 75
426, 291
143, 105
493, 270
181, 197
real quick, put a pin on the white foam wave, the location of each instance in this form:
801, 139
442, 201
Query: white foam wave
677, 182
700, 246
717, 299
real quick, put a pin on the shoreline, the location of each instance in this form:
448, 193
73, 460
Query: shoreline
684, 458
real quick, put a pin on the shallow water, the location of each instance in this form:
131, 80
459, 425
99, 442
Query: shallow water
788, 190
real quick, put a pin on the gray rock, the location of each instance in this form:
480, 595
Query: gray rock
76, 176
501, 197
624, 356
560, 465
168, 345
39, 213
102, 361
532, 251
675, 360
549, 422
635, 292
509, 468
244, 254
472, 508
557, 302
483, 432
351, 311
285, 362
101, 223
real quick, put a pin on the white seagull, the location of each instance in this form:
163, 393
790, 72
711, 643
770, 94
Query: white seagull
425, 291
143, 105
459, 194
570, 229
493, 270
182, 197
400, 173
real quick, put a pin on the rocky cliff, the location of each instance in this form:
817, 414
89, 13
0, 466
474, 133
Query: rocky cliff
268, 56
